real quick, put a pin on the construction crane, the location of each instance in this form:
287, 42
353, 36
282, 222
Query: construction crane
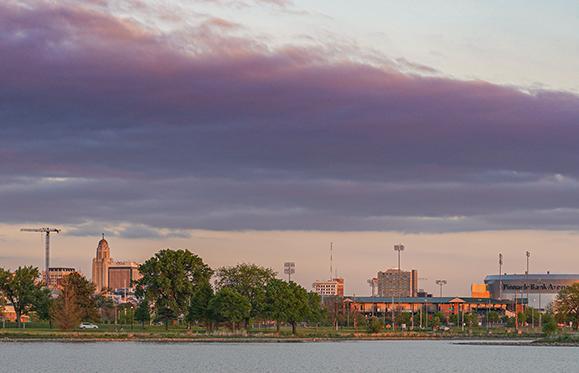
47, 232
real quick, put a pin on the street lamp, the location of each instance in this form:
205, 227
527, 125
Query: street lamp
441, 283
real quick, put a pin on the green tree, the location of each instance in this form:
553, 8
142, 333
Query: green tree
435, 322
126, 314
277, 299
199, 309
521, 318
566, 305
143, 312
105, 307
249, 280
65, 311
165, 315
84, 292
229, 306
441, 316
549, 324
170, 279
374, 325
403, 318
493, 317
42, 305
471, 319
316, 312
21, 289
298, 309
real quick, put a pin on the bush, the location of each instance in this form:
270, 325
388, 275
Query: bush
374, 325
549, 325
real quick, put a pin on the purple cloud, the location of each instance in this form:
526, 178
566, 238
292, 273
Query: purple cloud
105, 120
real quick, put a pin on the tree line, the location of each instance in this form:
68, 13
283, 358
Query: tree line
176, 286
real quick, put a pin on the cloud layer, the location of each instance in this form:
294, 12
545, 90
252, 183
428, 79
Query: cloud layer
107, 121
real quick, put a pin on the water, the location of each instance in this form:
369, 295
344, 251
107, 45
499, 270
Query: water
378, 356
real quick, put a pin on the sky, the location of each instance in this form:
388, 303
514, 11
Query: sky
262, 130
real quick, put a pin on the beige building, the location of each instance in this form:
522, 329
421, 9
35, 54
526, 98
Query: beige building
334, 287
108, 274
56, 274
395, 283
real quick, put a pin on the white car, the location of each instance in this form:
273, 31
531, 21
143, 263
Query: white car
88, 325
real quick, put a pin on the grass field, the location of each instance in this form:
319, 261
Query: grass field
180, 332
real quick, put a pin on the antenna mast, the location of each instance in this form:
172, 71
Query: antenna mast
331, 259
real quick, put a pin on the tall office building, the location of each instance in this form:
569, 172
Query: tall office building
108, 274
394, 283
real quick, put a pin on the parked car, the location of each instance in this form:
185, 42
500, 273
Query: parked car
88, 325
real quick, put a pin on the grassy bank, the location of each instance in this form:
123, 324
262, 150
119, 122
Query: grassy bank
179, 333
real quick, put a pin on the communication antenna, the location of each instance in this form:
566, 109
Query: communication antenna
331, 258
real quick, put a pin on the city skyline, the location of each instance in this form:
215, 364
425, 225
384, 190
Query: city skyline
261, 130
311, 255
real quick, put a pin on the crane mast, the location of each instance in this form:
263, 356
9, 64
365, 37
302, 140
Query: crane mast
47, 232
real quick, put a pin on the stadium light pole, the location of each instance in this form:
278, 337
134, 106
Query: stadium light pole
441, 283
398, 248
528, 255
500, 276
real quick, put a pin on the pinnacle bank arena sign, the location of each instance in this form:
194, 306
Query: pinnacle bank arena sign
534, 287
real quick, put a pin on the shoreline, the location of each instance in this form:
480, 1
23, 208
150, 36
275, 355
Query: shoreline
461, 340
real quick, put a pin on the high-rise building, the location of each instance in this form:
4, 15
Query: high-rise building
56, 274
395, 283
334, 287
108, 274
123, 274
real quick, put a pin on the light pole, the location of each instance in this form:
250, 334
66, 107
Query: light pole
289, 268
441, 283
500, 276
528, 255
398, 248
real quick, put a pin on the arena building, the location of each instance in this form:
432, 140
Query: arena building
539, 289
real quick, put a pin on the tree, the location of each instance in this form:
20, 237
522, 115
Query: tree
521, 318
298, 305
126, 313
199, 309
374, 325
170, 279
105, 307
435, 322
249, 280
566, 305
316, 312
493, 317
66, 312
549, 324
85, 298
20, 289
42, 305
277, 299
229, 306
143, 312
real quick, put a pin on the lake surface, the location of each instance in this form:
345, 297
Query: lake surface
374, 356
